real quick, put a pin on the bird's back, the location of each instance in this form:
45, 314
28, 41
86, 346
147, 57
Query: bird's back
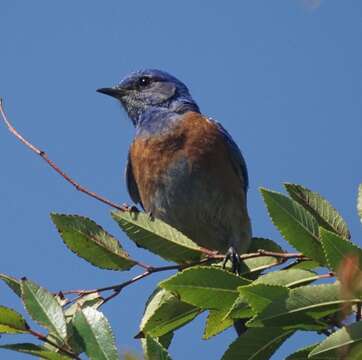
186, 176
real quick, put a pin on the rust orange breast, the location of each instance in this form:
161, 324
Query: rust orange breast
194, 138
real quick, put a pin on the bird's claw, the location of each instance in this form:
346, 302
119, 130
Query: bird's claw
234, 257
134, 209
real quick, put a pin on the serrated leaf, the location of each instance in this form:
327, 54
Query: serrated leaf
13, 283
35, 350
89, 241
239, 309
359, 202
260, 296
43, 308
205, 287
342, 341
326, 215
158, 237
256, 344
93, 300
164, 313
11, 322
302, 307
154, 350
295, 223
96, 333
288, 278
216, 323
337, 249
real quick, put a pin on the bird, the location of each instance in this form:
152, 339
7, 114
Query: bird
183, 167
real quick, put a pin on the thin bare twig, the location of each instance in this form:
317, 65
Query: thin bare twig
148, 272
53, 165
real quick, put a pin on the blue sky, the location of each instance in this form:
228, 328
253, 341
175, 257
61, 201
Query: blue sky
284, 77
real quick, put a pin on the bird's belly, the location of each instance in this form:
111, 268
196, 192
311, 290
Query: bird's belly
193, 201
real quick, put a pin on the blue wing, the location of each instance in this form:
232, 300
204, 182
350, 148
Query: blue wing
131, 183
236, 157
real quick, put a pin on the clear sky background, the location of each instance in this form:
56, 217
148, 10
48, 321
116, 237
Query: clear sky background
283, 76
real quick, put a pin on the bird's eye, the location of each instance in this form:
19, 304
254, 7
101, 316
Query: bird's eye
144, 81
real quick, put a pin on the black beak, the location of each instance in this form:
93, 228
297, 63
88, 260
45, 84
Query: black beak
113, 91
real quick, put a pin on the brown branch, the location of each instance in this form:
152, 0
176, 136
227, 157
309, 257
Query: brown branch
148, 272
44, 338
55, 167
151, 270
280, 255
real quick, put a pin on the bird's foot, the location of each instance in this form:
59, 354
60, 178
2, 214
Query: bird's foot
234, 257
150, 216
134, 209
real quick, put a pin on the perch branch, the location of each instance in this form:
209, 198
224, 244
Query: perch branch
54, 166
116, 289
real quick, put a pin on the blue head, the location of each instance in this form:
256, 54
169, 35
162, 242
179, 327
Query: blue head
147, 91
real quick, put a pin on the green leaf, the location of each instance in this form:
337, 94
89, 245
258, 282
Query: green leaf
93, 300
266, 289
337, 249
96, 333
205, 287
239, 309
325, 214
164, 313
302, 307
341, 341
35, 350
13, 283
165, 340
258, 243
43, 308
304, 265
216, 323
11, 322
158, 237
153, 350
260, 296
89, 241
303, 354
359, 202
295, 223
288, 278
256, 344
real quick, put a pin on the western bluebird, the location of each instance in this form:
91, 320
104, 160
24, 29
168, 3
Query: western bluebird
184, 168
